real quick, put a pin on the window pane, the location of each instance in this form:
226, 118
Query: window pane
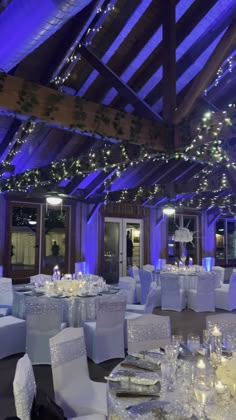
134, 233
190, 222
55, 239
23, 239
173, 247
231, 240
111, 251
220, 239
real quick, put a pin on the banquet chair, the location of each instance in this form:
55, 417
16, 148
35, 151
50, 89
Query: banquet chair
135, 311
202, 299
127, 286
220, 271
148, 332
173, 298
6, 296
24, 389
225, 296
74, 391
43, 320
146, 279
12, 336
148, 267
134, 272
104, 338
153, 300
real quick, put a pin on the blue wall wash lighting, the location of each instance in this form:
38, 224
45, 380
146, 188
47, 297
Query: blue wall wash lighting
160, 263
208, 263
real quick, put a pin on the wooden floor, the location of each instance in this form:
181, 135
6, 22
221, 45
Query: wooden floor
181, 323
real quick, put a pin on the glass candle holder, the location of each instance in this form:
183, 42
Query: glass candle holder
216, 344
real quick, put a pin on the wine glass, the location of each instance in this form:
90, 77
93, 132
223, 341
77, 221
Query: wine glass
202, 391
168, 369
193, 343
171, 352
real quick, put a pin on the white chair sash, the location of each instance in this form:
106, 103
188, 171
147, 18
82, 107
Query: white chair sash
43, 320
148, 332
62, 353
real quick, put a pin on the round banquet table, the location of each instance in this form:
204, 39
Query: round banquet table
75, 310
117, 406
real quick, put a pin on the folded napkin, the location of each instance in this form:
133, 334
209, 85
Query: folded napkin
137, 378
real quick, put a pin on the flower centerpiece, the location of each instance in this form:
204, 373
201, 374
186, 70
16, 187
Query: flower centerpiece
183, 235
226, 373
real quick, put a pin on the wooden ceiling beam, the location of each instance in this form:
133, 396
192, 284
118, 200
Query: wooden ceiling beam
73, 184
169, 61
89, 15
184, 26
29, 100
4, 146
221, 52
194, 52
142, 109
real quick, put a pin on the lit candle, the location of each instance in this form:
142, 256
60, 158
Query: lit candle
220, 388
216, 332
201, 364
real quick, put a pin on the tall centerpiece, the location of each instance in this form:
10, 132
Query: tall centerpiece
183, 235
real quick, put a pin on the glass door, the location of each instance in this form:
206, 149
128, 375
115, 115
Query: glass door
123, 246
24, 240
55, 240
113, 253
39, 239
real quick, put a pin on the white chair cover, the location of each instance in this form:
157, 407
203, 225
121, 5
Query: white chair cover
12, 336
148, 267
43, 320
148, 332
134, 272
6, 296
225, 296
105, 337
74, 391
221, 275
153, 300
173, 298
127, 286
203, 298
24, 388
146, 280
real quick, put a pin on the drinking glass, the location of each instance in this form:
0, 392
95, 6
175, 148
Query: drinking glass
193, 343
177, 340
171, 352
202, 391
168, 369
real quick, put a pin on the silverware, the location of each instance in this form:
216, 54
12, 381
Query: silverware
135, 395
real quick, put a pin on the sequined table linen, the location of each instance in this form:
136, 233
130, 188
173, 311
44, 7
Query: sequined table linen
75, 310
117, 407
